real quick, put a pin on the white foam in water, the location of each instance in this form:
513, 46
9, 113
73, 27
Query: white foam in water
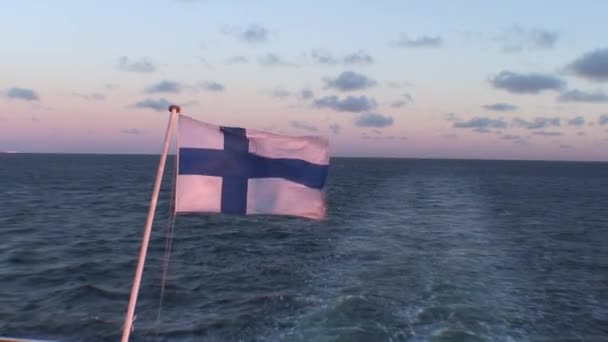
411, 250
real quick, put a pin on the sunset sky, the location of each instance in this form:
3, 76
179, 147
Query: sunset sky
430, 79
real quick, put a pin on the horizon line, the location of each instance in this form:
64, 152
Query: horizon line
334, 156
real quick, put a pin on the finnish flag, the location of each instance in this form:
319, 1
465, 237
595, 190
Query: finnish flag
241, 171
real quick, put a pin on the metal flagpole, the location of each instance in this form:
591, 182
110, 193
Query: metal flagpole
146, 238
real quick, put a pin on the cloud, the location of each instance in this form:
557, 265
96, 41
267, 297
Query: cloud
22, 94
303, 126
190, 103
305, 94
420, 42
576, 95
280, 93
500, 107
603, 120
141, 66
349, 104
373, 120
253, 33
91, 97
451, 117
577, 121
131, 131
543, 39
157, 105
204, 61
592, 66
526, 83
400, 103
537, 123
481, 124
212, 86
510, 48
164, 87
272, 60
358, 58
323, 57
516, 139
335, 128
348, 81
237, 60
517, 39
548, 134
449, 136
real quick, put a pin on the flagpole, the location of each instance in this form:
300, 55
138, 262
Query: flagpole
148, 228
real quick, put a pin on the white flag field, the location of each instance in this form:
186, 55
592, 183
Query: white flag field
240, 171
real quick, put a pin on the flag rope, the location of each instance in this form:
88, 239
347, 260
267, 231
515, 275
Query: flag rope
169, 233
128, 324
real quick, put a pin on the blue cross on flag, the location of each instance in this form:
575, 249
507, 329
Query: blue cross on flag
241, 171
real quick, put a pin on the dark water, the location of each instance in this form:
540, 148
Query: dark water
412, 250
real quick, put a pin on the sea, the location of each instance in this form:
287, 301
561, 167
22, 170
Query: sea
411, 250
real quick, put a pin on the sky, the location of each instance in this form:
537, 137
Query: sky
411, 79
